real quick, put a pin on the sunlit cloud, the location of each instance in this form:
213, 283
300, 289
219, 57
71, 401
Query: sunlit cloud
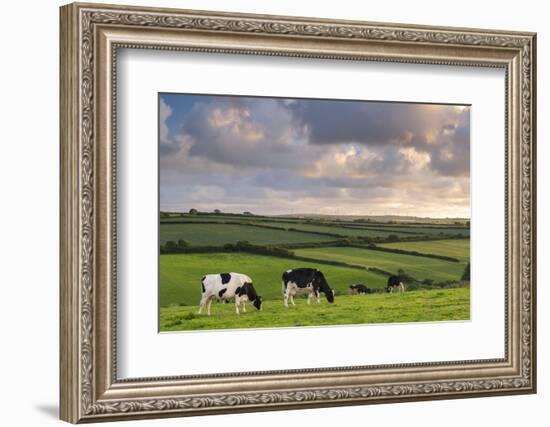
278, 156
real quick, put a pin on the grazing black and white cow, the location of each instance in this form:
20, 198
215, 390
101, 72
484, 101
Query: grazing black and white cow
225, 286
395, 282
359, 289
305, 280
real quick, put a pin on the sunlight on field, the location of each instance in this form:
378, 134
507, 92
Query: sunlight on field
458, 248
419, 267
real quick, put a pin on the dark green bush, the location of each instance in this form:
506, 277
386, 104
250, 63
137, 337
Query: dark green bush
466, 274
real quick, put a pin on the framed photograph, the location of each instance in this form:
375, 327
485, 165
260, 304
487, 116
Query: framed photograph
265, 213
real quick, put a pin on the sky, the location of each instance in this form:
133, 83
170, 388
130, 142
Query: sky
274, 156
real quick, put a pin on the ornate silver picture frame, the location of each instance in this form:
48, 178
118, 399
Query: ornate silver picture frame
91, 35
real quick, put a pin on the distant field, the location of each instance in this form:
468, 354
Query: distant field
457, 248
181, 274
204, 218
220, 234
418, 229
415, 306
334, 229
419, 267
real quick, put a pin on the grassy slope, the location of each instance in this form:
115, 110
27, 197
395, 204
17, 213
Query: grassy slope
457, 248
419, 267
219, 234
418, 306
180, 274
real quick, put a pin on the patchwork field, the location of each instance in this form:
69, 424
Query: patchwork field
347, 231
220, 234
418, 229
196, 230
198, 246
417, 266
415, 306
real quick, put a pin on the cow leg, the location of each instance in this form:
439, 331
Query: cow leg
309, 297
237, 303
202, 303
244, 306
208, 304
286, 296
292, 299
401, 287
318, 297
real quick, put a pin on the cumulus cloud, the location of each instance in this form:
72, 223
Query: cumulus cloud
440, 131
271, 155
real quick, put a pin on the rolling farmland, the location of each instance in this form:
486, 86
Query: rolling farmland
342, 231
346, 252
220, 234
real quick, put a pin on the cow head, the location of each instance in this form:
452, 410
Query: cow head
324, 287
253, 297
257, 303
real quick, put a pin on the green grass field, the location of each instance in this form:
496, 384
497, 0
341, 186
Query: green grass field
418, 229
419, 267
415, 306
457, 248
334, 229
174, 232
220, 234
203, 218
181, 274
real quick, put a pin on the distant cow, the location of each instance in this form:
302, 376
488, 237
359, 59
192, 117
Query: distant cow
225, 286
359, 289
305, 280
395, 282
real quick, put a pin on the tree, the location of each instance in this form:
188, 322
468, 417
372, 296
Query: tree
217, 211
193, 211
182, 243
466, 274
170, 246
